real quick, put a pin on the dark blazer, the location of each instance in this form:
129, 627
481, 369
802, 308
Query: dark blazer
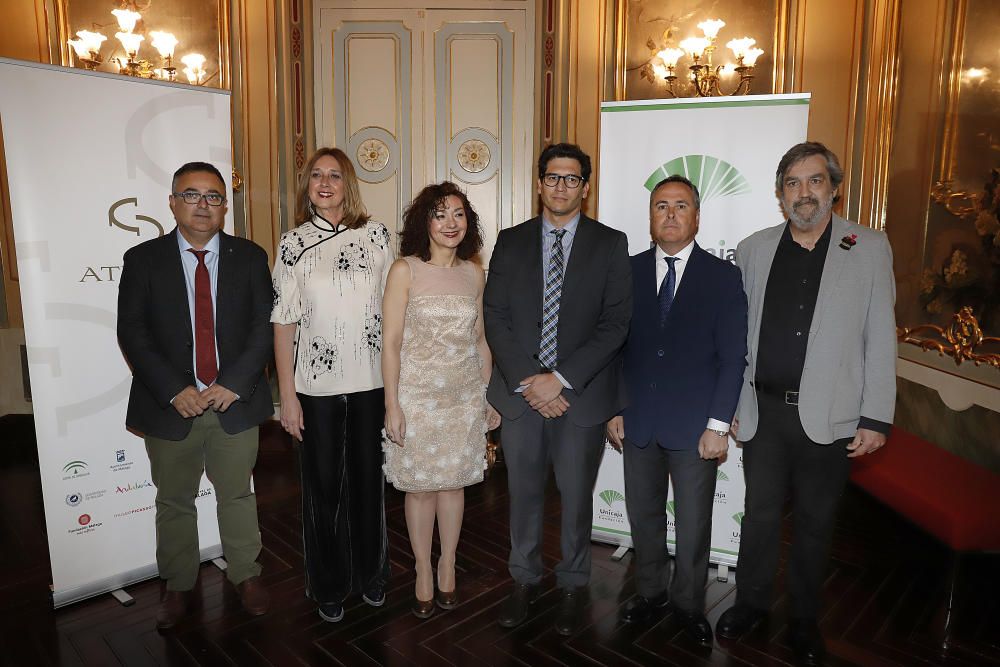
593, 318
155, 334
692, 370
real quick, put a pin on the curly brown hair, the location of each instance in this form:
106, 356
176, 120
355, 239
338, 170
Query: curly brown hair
415, 239
355, 214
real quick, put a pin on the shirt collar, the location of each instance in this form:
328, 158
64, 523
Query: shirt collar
570, 227
211, 246
822, 242
684, 254
325, 224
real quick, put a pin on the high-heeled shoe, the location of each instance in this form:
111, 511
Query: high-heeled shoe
422, 609
446, 599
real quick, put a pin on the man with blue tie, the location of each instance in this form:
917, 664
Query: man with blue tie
194, 310
683, 369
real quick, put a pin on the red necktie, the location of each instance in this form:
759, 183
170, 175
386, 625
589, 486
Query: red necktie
204, 322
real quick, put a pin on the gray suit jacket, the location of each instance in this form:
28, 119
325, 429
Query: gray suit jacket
850, 366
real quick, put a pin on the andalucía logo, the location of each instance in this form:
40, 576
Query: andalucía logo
75, 469
74, 499
144, 484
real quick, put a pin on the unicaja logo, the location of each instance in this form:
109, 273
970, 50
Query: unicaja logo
738, 518
670, 507
610, 497
721, 476
712, 176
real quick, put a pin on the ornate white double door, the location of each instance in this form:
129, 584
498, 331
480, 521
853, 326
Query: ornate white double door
417, 96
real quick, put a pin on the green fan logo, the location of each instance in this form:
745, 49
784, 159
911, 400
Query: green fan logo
670, 507
75, 467
610, 496
738, 517
713, 177
721, 476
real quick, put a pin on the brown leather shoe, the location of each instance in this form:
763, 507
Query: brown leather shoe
422, 609
254, 596
173, 607
447, 600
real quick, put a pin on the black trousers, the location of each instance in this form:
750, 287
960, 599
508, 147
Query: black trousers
647, 470
781, 459
343, 494
531, 444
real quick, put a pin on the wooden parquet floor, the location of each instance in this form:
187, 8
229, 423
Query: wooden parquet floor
884, 597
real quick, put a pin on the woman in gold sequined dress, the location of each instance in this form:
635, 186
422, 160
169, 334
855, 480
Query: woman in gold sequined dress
436, 365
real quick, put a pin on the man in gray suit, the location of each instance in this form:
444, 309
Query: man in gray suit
556, 308
819, 388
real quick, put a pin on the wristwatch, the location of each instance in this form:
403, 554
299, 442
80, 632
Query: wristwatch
721, 434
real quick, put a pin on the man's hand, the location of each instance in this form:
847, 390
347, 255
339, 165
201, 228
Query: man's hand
557, 407
189, 402
218, 397
541, 389
615, 431
865, 442
711, 445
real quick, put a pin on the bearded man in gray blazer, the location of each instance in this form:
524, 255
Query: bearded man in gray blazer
819, 388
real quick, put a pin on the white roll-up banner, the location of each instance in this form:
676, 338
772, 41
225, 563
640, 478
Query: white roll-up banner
89, 163
729, 147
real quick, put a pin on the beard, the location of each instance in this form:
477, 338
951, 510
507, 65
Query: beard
821, 212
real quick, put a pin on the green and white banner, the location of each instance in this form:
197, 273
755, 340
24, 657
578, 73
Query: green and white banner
729, 147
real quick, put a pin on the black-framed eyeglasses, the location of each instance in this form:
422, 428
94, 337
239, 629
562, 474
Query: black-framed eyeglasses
572, 181
194, 198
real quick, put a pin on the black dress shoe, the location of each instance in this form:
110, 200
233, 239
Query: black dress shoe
696, 626
514, 610
640, 609
806, 642
568, 613
739, 620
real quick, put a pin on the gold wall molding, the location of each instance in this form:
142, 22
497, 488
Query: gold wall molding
961, 339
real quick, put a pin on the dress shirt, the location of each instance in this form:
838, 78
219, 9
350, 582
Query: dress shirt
789, 304
190, 263
682, 258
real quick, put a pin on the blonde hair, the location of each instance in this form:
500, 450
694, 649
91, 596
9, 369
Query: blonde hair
355, 214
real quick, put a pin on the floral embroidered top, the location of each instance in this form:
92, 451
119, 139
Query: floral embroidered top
330, 281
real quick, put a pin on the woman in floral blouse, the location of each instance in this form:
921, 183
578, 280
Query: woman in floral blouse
328, 281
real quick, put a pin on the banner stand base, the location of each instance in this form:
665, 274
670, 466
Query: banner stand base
124, 598
220, 563
619, 553
723, 573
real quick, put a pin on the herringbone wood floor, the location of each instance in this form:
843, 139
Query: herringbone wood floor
884, 596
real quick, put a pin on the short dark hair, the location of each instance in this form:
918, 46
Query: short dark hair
193, 167
553, 151
677, 178
800, 152
415, 240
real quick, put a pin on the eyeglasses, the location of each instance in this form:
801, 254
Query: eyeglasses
572, 181
194, 198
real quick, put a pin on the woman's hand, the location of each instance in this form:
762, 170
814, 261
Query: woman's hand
492, 417
291, 417
395, 425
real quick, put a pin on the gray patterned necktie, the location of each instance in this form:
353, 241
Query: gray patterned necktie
547, 352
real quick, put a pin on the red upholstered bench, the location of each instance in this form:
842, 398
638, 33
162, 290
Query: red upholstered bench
945, 495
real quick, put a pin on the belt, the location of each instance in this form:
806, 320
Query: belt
789, 396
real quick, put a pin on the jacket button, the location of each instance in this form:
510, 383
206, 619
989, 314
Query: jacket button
659, 353
535, 357
189, 344
188, 372
652, 385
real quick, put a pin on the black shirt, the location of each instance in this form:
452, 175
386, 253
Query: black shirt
789, 304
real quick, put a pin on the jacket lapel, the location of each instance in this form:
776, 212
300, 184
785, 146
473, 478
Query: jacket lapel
173, 279
226, 278
761, 264
836, 257
576, 267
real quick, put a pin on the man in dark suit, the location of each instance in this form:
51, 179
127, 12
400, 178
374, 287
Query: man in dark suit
683, 366
193, 322
819, 388
557, 305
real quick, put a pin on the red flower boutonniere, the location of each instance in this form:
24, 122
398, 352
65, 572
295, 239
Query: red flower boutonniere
849, 241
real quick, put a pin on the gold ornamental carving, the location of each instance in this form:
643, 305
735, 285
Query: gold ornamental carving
961, 339
473, 156
373, 155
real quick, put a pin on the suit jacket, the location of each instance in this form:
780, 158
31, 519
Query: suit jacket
155, 333
594, 312
850, 364
679, 376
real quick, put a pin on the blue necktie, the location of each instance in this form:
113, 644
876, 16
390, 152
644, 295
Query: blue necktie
666, 295
547, 352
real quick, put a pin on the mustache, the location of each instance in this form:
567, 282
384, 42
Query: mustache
806, 200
